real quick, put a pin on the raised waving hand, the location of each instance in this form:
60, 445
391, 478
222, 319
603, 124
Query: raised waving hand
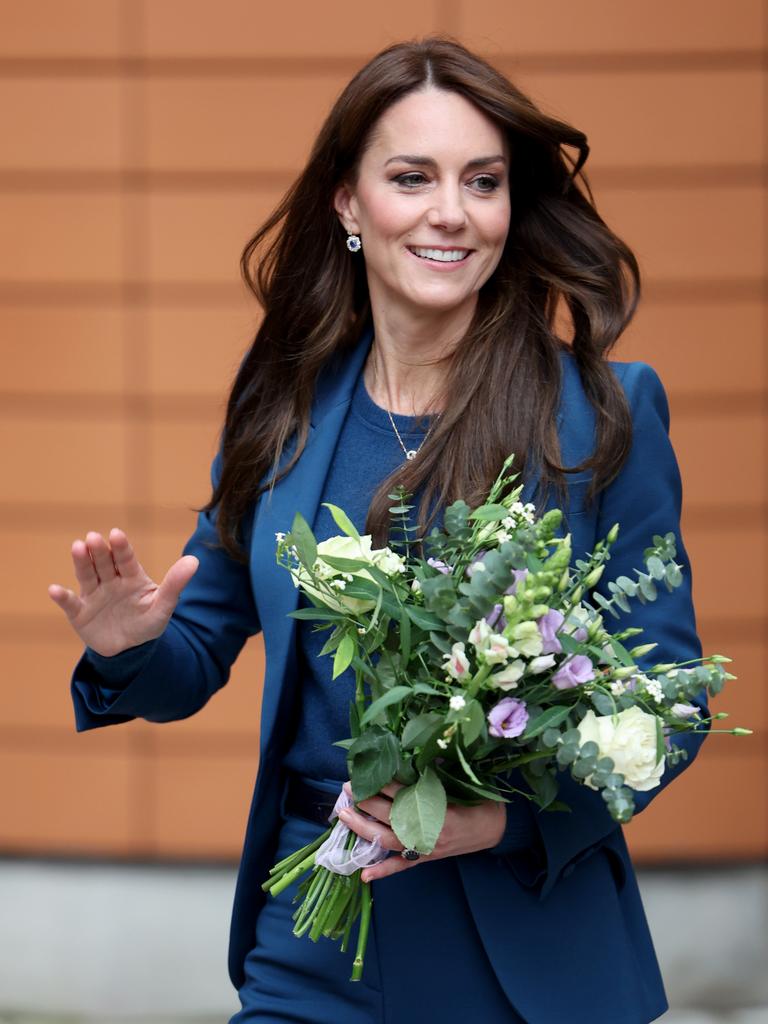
119, 606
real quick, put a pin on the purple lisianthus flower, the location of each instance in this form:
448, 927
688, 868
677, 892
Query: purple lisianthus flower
440, 566
548, 625
508, 718
495, 618
573, 672
519, 575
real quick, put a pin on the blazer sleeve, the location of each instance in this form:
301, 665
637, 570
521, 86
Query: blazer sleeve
176, 674
645, 499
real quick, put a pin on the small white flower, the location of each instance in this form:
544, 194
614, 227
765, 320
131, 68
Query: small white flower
338, 584
279, 537
443, 744
502, 536
415, 586
457, 702
618, 687
654, 690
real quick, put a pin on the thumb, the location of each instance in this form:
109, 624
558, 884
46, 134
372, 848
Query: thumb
174, 581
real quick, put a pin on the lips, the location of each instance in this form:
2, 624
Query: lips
440, 255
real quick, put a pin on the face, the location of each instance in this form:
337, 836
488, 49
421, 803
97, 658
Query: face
430, 203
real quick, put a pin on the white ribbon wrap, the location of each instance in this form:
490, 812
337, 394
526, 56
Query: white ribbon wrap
333, 854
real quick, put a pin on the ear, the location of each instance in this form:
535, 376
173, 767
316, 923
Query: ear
345, 204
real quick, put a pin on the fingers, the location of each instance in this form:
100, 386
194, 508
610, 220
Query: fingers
174, 581
390, 866
101, 556
66, 599
123, 554
370, 829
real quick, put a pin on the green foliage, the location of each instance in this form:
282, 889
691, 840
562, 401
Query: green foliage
418, 812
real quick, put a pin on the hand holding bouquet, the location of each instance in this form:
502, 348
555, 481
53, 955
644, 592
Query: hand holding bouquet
484, 666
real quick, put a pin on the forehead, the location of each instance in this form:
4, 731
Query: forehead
435, 123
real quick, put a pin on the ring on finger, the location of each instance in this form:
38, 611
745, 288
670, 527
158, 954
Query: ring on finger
410, 854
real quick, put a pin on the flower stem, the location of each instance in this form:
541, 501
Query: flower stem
362, 938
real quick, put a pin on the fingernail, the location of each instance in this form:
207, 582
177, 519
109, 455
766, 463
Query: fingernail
365, 876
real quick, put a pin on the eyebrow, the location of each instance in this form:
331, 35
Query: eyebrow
427, 161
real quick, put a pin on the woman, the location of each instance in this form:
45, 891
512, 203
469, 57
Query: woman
420, 352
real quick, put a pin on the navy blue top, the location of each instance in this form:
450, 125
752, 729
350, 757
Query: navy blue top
367, 452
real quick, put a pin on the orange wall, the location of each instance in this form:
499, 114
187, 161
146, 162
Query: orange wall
142, 142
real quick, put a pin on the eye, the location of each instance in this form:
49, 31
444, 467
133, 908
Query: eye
486, 182
411, 179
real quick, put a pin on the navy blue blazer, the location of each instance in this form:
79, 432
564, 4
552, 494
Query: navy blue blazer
565, 930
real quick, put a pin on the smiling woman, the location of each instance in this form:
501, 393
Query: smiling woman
410, 280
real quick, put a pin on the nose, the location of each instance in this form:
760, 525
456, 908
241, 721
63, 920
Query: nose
447, 210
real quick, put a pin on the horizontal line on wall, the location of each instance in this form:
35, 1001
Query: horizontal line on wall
53, 628
167, 408
67, 180
39, 516
140, 294
235, 66
58, 739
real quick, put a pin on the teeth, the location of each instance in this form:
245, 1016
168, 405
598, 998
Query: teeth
441, 255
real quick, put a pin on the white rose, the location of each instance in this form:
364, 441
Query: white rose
338, 547
629, 739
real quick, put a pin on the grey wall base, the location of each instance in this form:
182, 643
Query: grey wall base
108, 943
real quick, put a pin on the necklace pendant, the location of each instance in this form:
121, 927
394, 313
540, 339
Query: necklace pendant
411, 454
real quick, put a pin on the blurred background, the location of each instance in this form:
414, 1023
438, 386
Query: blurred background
143, 141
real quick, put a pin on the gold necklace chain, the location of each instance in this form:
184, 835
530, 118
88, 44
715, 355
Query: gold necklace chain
410, 453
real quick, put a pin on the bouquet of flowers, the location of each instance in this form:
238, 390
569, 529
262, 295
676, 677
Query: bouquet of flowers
484, 666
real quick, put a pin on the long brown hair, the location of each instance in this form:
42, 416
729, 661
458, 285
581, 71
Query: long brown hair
502, 383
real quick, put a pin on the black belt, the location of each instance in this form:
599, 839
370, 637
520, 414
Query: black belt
303, 800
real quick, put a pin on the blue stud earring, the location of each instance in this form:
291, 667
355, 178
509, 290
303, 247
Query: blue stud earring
353, 243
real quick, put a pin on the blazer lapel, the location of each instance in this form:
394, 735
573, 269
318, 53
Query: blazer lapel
299, 491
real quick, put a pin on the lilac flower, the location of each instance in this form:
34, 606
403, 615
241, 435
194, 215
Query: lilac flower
495, 619
508, 718
440, 566
573, 672
548, 625
520, 575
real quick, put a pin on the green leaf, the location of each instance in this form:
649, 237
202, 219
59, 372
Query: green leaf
473, 723
345, 652
344, 564
547, 719
405, 636
656, 567
489, 513
418, 813
420, 729
422, 618
661, 747
342, 520
393, 696
303, 540
373, 759
317, 615
466, 766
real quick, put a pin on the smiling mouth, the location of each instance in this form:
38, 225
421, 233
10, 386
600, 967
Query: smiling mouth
440, 255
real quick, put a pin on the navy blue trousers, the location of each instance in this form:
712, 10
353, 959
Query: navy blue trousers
425, 959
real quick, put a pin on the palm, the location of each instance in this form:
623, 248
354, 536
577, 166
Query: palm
119, 605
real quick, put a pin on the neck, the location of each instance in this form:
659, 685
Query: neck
406, 367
